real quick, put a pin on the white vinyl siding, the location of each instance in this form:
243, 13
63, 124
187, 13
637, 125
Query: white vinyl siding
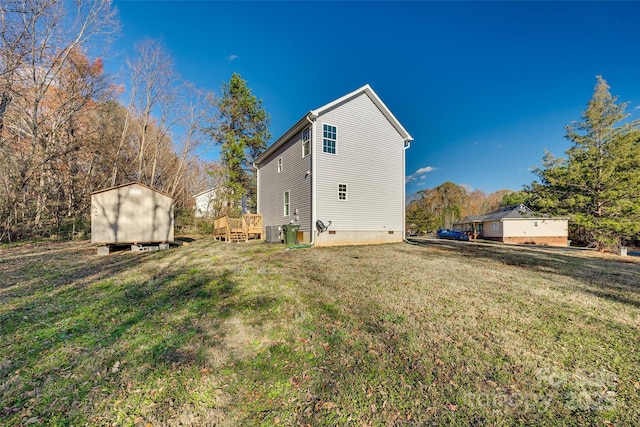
368, 157
371, 161
293, 178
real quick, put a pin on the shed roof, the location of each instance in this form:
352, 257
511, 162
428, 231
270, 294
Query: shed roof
131, 183
210, 190
313, 114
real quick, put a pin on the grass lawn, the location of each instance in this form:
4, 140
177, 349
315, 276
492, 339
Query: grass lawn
253, 334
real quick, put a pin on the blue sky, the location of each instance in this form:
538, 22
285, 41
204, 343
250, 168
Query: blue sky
483, 87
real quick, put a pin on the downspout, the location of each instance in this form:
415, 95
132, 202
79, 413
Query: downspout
313, 175
407, 144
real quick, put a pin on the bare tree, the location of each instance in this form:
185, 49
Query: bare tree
194, 113
41, 40
62, 134
153, 88
13, 40
123, 136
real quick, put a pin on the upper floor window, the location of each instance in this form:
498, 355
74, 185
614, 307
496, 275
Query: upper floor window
329, 137
280, 165
306, 142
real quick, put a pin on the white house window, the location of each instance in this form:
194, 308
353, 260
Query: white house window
495, 226
342, 191
535, 223
329, 137
280, 165
286, 203
306, 142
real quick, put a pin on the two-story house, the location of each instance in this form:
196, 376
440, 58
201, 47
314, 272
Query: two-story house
339, 173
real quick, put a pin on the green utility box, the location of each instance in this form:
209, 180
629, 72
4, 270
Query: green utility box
290, 233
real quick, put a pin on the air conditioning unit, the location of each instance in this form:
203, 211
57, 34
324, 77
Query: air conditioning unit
273, 234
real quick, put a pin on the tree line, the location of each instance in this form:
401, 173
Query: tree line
439, 207
596, 185
64, 133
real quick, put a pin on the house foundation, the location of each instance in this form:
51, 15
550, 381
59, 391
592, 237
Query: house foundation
345, 238
560, 241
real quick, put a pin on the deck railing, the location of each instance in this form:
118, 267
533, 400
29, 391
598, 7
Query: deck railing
249, 226
252, 223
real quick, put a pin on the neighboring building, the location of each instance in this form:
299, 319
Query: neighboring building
341, 165
516, 224
211, 204
208, 203
131, 213
205, 202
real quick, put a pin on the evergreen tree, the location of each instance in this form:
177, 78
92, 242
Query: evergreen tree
241, 130
513, 198
597, 185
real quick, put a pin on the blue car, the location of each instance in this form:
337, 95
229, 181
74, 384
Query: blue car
445, 233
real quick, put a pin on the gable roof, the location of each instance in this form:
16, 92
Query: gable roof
509, 212
512, 214
366, 89
313, 114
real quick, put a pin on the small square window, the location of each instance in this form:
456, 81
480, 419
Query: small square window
329, 138
342, 191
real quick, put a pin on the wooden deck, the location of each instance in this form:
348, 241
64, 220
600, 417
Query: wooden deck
248, 227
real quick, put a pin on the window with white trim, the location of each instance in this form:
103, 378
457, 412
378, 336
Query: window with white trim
342, 192
280, 165
286, 203
329, 138
306, 142
495, 226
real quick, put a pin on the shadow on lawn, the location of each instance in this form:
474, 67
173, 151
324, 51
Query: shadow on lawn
612, 279
93, 327
32, 272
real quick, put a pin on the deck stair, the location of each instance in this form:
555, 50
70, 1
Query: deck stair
238, 236
243, 229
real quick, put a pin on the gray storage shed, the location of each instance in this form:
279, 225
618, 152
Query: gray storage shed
131, 213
